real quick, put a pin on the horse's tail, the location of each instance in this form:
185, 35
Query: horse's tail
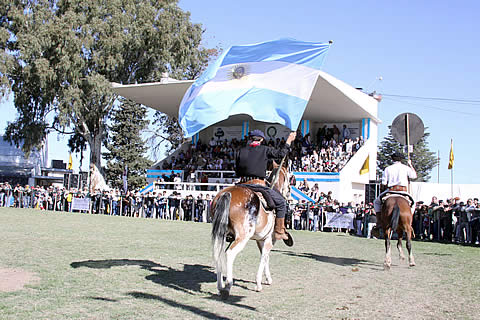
219, 231
395, 217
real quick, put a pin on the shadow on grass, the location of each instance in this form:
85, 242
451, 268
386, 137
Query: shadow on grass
102, 299
175, 304
188, 280
326, 259
436, 254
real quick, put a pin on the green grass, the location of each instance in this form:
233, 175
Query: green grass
102, 267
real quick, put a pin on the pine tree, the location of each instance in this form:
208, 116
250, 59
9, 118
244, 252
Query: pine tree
423, 159
126, 146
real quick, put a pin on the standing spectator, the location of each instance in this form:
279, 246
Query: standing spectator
336, 133
27, 195
174, 205
115, 196
149, 204
296, 218
208, 205
359, 216
321, 133
316, 214
345, 133
463, 233
372, 222
199, 208
475, 223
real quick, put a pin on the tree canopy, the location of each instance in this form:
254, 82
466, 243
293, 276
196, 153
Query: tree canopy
423, 160
59, 58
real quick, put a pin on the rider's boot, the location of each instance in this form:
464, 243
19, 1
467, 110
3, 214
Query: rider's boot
280, 233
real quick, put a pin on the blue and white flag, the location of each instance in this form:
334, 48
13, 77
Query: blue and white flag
296, 194
270, 81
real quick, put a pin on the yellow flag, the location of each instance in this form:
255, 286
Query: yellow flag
70, 162
366, 166
451, 157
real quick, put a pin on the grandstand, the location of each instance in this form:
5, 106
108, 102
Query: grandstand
333, 103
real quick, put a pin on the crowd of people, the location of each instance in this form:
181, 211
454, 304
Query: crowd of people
326, 156
132, 204
446, 221
330, 153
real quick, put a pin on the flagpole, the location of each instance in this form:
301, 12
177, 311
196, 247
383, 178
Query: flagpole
451, 179
438, 167
451, 173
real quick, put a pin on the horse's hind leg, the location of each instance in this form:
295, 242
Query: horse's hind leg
411, 260
399, 245
231, 254
264, 246
388, 250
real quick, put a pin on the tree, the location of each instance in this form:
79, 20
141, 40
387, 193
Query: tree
423, 159
60, 57
166, 132
126, 146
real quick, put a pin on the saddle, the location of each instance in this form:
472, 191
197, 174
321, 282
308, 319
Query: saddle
266, 201
402, 194
260, 190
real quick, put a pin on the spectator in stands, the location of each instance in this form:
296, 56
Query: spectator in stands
345, 133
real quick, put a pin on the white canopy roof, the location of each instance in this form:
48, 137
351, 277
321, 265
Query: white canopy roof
332, 100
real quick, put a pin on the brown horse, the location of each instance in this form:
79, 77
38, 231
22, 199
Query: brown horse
238, 213
397, 216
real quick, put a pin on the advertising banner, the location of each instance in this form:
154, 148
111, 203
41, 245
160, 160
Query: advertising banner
339, 220
81, 204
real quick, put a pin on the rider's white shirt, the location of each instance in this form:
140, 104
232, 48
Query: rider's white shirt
397, 175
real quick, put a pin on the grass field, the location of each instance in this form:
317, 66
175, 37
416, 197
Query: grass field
102, 267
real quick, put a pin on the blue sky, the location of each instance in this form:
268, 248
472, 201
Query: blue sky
420, 48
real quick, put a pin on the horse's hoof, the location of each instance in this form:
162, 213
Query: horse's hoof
386, 267
268, 281
224, 294
258, 288
412, 264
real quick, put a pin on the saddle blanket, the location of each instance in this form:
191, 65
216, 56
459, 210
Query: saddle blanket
403, 194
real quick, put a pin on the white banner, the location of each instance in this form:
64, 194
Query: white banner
222, 133
274, 131
81, 204
339, 220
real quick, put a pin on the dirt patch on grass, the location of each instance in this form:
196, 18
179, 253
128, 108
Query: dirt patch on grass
15, 279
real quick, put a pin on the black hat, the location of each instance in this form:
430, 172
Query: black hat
257, 133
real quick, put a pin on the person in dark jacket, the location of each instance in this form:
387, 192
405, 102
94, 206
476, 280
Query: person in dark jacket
251, 164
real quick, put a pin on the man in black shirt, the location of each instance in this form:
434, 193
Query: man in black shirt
251, 164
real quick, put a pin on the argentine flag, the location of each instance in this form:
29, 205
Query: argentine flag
270, 81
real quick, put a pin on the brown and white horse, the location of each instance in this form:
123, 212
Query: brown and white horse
397, 216
238, 213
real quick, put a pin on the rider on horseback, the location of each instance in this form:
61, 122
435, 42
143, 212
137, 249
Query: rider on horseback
395, 178
251, 164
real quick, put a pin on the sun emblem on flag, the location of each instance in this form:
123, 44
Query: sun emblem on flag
239, 71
